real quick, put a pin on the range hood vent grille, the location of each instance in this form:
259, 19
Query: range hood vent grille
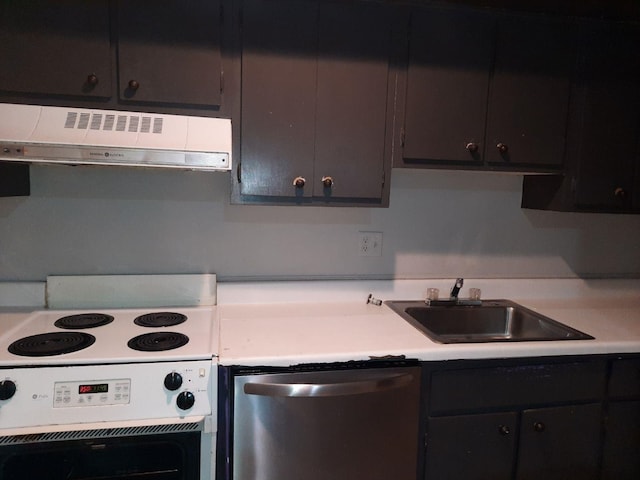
120, 122
42, 134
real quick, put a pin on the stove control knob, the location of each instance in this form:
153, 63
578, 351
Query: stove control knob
173, 381
7, 389
185, 400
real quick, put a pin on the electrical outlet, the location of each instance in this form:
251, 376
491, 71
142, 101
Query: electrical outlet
370, 244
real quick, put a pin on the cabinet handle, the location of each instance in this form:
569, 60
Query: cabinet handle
327, 182
619, 192
134, 85
504, 430
502, 147
299, 182
472, 147
539, 427
92, 79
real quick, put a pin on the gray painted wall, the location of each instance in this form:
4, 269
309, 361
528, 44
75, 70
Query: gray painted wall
93, 220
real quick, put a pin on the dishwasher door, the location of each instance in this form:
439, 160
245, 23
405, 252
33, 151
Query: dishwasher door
327, 425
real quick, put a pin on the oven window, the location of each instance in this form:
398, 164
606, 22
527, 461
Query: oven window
173, 456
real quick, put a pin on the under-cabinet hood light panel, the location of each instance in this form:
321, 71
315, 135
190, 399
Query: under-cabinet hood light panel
31, 133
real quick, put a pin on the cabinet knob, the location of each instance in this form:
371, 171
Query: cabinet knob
299, 182
327, 182
502, 147
619, 192
504, 430
539, 427
472, 147
92, 79
134, 85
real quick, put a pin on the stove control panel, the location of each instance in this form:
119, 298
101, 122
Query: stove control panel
127, 392
88, 394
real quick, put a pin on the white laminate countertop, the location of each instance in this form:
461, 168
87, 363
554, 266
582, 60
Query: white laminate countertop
288, 334
289, 323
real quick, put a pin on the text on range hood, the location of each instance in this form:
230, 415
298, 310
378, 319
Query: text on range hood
41, 134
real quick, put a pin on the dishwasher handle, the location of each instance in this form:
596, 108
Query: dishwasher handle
311, 390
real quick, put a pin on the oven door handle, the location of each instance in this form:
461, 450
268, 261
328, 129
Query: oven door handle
370, 385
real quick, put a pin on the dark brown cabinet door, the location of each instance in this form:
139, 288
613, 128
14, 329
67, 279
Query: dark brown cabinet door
471, 447
560, 443
14, 180
607, 151
487, 90
529, 95
314, 99
450, 57
55, 47
621, 454
353, 68
169, 52
279, 71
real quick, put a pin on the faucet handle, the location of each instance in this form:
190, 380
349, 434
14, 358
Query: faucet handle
455, 290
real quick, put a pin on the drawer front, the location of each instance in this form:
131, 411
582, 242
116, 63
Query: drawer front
625, 378
519, 385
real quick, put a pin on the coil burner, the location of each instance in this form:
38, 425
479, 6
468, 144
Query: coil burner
83, 320
55, 343
158, 341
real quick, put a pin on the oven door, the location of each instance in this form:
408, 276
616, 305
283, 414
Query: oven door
155, 452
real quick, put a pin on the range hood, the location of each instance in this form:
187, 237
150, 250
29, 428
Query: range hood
40, 134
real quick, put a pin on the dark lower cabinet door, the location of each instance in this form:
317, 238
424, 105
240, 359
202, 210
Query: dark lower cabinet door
55, 48
450, 55
529, 96
169, 52
560, 443
471, 447
621, 457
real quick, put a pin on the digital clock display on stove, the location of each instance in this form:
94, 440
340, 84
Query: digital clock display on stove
93, 388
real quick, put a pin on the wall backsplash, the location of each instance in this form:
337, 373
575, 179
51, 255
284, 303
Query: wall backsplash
93, 220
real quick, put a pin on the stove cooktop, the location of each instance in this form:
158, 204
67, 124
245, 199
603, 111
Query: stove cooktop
60, 337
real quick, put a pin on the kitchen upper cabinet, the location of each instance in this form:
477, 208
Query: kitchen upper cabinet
450, 57
514, 420
14, 180
603, 154
55, 48
486, 90
166, 56
314, 102
169, 52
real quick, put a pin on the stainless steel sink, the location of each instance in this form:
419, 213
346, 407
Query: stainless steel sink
492, 321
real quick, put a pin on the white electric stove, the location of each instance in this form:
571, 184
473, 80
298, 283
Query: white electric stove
109, 373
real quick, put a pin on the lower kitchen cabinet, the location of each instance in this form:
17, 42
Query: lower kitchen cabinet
514, 420
471, 447
552, 443
621, 454
559, 443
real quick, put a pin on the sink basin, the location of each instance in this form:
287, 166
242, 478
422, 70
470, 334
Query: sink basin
492, 321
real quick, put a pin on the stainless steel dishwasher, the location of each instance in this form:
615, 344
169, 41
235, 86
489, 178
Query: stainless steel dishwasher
327, 425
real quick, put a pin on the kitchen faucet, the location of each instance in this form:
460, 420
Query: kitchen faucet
453, 299
455, 290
